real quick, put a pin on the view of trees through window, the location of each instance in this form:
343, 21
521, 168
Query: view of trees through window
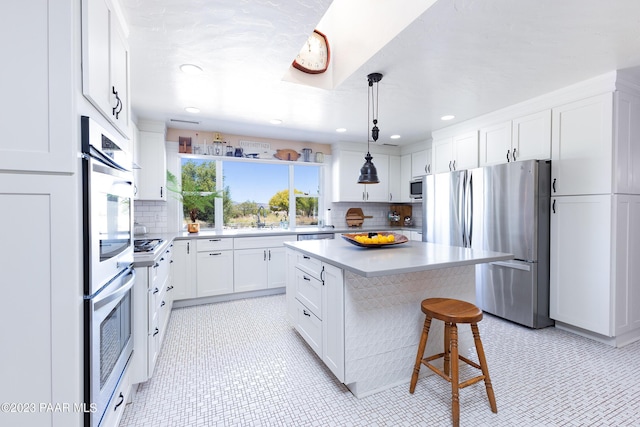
254, 194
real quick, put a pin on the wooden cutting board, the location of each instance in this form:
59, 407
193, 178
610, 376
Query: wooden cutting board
355, 217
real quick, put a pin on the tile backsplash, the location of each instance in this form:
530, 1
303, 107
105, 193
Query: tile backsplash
151, 214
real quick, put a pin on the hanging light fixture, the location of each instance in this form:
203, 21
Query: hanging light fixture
368, 172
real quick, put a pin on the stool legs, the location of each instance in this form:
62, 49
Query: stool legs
455, 380
421, 346
484, 367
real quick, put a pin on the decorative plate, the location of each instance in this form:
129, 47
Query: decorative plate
351, 238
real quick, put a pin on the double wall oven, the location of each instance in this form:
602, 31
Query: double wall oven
108, 274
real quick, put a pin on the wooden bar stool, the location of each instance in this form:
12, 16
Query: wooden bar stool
452, 312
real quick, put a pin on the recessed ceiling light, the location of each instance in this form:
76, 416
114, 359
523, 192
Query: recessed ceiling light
341, 130
395, 137
275, 121
447, 117
192, 110
190, 69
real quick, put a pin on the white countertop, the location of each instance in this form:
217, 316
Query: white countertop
395, 259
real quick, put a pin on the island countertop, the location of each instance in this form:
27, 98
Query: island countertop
394, 259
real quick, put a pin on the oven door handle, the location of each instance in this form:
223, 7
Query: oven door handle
100, 299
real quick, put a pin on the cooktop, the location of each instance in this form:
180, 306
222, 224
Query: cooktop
146, 245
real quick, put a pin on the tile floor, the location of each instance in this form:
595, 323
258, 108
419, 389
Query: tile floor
240, 363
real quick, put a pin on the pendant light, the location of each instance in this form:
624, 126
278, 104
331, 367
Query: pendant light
368, 172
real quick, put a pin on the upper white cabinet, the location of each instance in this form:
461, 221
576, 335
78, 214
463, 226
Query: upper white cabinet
39, 124
455, 153
531, 136
346, 169
396, 181
421, 163
626, 134
405, 178
105, 62
524, 138
151, 178
582, 134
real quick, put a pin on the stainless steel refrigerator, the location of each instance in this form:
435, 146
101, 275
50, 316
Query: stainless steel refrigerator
502, 208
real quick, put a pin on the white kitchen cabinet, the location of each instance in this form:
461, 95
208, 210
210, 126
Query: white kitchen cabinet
259, 263
106, 62
580, 280
119, 400
152, 302
626, 160
405, 178
214, 267
151, 178
421, 163
495, 144
455, 153
581, 161
316, 290
531, 136
40, 127
184, 263
523, 138
346, 171
333, 319
395, 179
594, 268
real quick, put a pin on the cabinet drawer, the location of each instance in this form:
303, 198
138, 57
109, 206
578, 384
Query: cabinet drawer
311, 265
118, 401
309, 291
214, 244
263, 242
310, 327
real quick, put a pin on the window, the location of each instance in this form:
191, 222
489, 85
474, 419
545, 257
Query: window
253, 194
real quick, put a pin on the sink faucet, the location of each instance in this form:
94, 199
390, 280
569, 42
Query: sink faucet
264, 215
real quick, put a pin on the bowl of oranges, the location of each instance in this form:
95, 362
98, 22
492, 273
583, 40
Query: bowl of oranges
375, 240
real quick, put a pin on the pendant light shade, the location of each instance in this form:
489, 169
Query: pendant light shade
368, 171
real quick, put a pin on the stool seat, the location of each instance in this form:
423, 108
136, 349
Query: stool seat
451, 312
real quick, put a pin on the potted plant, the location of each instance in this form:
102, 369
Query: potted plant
193, 198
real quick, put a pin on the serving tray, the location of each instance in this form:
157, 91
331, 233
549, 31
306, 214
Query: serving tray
398, 239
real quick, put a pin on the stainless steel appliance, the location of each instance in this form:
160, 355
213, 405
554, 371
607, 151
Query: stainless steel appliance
415, 188
503, 208
107, 184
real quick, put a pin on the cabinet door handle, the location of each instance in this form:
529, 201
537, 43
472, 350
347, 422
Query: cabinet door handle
391, 197
306, 278
367, 195
322, 275
305, 313
115, 111
215, 253
426, 168
553, 185
120, 402
169, 287
162, 259
306, 257
269, 254
514, 154
363, 196
508, 155
161, 192
156, 332
429, 168
215, 240
162, 304
188, 248
449, 165
553, 206
155, 291
454, 165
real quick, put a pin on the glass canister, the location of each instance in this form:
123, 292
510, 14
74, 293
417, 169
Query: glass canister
230, 151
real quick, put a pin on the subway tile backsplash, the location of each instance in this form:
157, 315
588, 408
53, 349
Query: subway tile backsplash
151, 214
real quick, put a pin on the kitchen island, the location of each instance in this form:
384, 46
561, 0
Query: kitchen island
359, 308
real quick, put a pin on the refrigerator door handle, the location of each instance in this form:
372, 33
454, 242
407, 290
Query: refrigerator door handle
519, 266
470, 202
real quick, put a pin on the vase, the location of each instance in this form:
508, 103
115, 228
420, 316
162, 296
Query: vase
193, 227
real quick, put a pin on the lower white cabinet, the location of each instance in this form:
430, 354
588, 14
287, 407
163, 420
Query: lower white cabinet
184, 262
259, 263
594, 265
214, 267
315, 300
118, 402
152, 302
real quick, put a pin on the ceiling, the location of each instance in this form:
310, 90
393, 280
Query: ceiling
460, 57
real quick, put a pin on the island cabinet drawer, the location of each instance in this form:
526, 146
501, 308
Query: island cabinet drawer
310, 327
309, 291
309, 264
214, 244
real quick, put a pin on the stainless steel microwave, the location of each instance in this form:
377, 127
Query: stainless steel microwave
415, 187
